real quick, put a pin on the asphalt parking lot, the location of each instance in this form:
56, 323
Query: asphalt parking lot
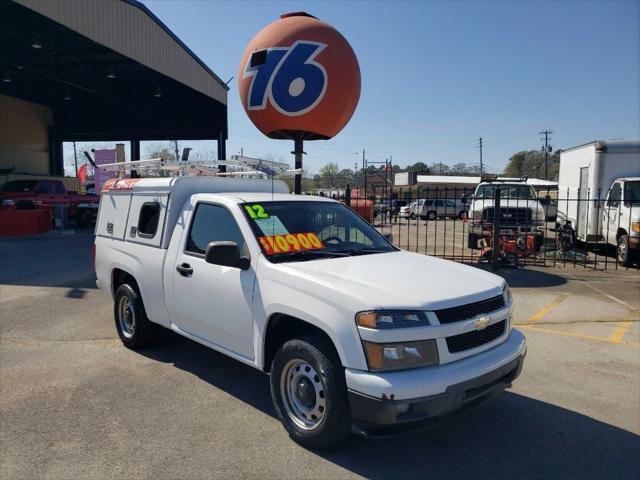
74, 403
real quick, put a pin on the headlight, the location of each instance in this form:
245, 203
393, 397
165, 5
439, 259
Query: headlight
400, 356
391, 319
635, 227
506, 293
7, 202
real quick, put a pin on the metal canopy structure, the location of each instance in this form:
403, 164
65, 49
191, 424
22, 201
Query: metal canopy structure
108, 70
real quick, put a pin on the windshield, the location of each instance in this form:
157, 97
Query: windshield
302, 230
524, 192
632, 193
18, 186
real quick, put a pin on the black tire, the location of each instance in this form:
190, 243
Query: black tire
142, 330
412, 216
472, 241
431, 215
335, 423
624, 255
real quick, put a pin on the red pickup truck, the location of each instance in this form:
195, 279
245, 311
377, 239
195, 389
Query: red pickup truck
23, 194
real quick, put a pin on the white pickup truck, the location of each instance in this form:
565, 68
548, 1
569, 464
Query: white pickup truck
356, 334
520, 211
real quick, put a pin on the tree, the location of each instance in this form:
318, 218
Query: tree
531, 164
459, 168
439, 169
419, 167
328, 174
165, 151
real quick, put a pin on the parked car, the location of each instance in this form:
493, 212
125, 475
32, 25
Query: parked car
432, 209
408, 211
290, 285
390, 206
48, 194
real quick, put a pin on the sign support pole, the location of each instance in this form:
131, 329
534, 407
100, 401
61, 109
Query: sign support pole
298, 152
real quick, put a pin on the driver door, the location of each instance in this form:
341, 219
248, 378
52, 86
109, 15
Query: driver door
611, 213
213, 302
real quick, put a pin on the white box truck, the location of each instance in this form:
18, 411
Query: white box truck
599, 194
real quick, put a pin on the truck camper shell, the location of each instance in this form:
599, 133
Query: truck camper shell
165, 197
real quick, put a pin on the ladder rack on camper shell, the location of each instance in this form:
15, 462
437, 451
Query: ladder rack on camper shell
159, 167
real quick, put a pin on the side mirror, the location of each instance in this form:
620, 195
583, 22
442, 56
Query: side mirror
226, 254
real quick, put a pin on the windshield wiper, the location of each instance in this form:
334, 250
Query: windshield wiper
366, 251
306, 255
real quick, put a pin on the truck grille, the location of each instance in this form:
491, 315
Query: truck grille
470, 310
508, 215
469, 340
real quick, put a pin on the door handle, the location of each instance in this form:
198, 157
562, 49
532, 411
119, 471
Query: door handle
185, 270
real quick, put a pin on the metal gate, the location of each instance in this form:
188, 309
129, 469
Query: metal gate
583, 193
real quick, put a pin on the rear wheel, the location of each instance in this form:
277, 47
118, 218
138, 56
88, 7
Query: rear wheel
309, 392
431, 215
133, 327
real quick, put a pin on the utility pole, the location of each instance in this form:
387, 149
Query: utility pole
481, 156
364, 172
75, 158
546, 148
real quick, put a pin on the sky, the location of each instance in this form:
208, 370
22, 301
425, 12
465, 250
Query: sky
436, 76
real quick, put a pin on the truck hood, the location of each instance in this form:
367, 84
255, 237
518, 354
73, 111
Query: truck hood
398, 280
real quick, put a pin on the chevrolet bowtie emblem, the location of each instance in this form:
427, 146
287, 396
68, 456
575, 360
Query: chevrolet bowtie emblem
482, 323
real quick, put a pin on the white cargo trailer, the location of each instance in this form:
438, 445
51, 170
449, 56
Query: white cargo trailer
587, 174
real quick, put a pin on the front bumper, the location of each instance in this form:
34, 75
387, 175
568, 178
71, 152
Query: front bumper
486, 229
383, 404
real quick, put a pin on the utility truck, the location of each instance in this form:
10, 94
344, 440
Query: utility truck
355, 334
519, 215
599, 194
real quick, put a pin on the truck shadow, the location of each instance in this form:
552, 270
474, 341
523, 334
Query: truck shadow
527, 277
512, 436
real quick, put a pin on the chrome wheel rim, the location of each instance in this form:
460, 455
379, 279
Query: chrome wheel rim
126, 317
622, 251
303, 394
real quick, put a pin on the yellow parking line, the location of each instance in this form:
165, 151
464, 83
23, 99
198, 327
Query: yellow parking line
576, 335
611, 297
539, 315
619, 332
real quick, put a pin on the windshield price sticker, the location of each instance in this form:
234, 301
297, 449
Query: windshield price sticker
291, 242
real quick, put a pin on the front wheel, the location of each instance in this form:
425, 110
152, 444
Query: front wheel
623, 254
431, 215
309, 392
